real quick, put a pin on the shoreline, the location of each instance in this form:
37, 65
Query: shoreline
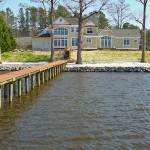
85, 67
108, 67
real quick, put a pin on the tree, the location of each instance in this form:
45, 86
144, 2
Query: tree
127, 25
81, 6
10, 17
51, 4
33, 18
62, 11
21, 19
120, 13
143, 23
27, 21
41, 18
7, 41
102, 21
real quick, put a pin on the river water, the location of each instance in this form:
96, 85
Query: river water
80, 111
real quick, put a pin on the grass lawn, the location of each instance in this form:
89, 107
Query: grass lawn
111, 56
87, 56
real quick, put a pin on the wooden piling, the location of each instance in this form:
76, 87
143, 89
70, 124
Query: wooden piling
14, 86
5, 90
46, 75
32, 81
10, 92
27, 84
19, 87
38, 79
0, 96
42, 76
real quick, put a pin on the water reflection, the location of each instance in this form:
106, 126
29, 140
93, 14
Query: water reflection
80, 111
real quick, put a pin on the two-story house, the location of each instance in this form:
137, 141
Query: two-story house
66, 34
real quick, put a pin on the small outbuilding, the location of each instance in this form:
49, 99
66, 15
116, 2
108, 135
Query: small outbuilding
41, 42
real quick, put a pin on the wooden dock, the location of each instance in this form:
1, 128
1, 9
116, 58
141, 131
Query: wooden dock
42, 73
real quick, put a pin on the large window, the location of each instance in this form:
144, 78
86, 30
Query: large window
61, 31
106, 42
60, 42
90, 30
74, 41
126, 41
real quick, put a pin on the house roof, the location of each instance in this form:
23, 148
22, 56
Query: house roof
126, 32
44, 33
74, 21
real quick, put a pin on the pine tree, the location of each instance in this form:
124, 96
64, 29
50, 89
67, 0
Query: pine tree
103, 21
7, 41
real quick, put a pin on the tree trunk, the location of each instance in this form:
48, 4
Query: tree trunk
79, 59
52, 32
144, 34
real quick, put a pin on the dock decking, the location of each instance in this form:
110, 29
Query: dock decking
42, 72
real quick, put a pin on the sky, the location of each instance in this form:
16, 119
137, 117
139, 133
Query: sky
135, 7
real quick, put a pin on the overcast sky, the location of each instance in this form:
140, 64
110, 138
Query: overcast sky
134, 6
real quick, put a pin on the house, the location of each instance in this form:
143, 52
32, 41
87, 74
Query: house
66, 34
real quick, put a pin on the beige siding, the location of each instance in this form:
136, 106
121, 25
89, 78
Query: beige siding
118, 43
106, 32
92, 45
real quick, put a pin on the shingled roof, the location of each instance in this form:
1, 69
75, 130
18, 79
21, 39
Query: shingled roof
74, 21
126, 32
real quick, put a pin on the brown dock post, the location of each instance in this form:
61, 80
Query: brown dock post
32, 81
14, 84
42, 76
59, 68
38, 79
5, 90
19, 87
49, 70
46, 74
52, 72
55, 71
10, 91
0, 96
27, 84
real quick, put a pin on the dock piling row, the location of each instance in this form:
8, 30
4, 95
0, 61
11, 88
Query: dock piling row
12, 83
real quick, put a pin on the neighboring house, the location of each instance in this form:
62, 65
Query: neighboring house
66, 34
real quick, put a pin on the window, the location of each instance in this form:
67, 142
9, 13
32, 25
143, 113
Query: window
61, 31
126, 41
72, 29
135, 41
90, 30
60, 42
74, 41
88, 40
106, 42
77, 29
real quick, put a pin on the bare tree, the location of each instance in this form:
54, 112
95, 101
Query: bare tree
143, 23
51, 4
120, 12
78, 8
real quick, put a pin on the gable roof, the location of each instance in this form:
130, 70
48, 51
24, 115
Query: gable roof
74, 21
126, 32
44, 33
